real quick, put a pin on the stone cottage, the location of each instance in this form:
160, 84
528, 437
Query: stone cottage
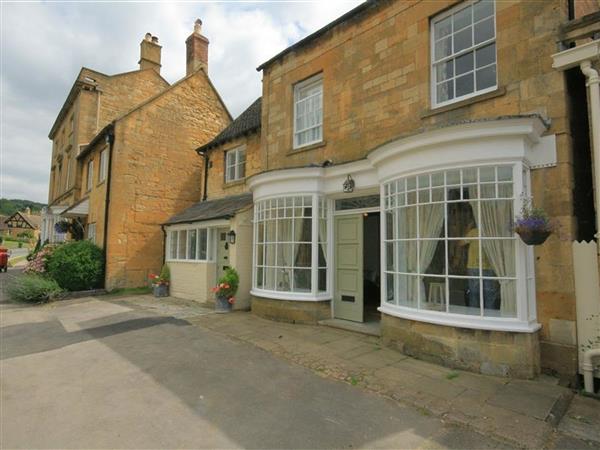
123, 159
396, 146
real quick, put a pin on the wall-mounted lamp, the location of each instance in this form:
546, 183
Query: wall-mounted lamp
231, 237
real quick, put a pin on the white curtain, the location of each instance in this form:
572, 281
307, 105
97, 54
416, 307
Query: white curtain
407, 256
431, 220
496, 216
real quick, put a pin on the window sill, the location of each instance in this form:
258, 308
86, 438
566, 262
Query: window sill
291, 296
467, 102
461, 321
229, 184
307, 148
190, 261
100, 183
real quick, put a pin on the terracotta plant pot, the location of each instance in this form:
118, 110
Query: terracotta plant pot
534, 237
160, 290
222, 305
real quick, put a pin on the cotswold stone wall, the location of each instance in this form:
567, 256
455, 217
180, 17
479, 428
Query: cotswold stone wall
376, 88
156, 173
217, 187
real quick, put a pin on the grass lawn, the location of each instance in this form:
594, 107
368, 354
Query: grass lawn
12, 244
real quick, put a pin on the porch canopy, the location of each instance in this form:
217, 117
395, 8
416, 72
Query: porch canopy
79, 209
223, 208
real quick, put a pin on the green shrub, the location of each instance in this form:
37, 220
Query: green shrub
228, 285
33, 289
77, 266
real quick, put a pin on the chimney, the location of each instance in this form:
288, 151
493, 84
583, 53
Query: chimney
197, 50
28, 211
150, 53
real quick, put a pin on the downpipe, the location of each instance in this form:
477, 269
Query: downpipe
588, 368
593, 82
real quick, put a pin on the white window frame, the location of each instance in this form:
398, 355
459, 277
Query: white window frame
310, 83
264, 210
91, 232
173, 236
524, 277
453, 56
237, 164
103, 165
90, 174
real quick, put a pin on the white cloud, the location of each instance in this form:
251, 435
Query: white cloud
45, 44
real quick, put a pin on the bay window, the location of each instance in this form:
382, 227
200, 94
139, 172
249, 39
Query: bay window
291, 244
463, 52
189, 244
449, 244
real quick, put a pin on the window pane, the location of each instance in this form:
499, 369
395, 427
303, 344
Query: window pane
284, 279
408, 290
464, 63
301, 280
259, 277
464, 85
498, 258
445, 70
486, 77
463, 39
269, 278
182, 244
284, 230
432, 257
445, 91
462, 220
434, 294
285, 255
484, 30
505, 173
431, 221
485, 55
260, 255
463, 257
192, 244
497, 217
390, 293
302, 255
462, 18
173, 244
443, 48
499, 298
407, 256
443, 28
483, 9
322, 280
407, 222
464, 295
270, 254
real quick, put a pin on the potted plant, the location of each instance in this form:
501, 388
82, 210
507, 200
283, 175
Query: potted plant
533, 224
160, 283
225, 291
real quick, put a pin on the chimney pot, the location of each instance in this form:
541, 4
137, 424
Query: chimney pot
150, 53
197, 50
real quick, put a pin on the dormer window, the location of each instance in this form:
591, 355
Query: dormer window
308, 112
463, 52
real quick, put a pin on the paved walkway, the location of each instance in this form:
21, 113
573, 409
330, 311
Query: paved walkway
513, 413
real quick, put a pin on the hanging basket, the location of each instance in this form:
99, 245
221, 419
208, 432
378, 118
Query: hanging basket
534, 237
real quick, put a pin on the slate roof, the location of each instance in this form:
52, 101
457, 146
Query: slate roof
223, 208
245, 123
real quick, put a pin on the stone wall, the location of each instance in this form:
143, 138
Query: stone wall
156, 173
376, 88
291, 311
217, 187
497, 353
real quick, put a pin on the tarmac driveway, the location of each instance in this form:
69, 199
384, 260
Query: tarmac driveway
93, 373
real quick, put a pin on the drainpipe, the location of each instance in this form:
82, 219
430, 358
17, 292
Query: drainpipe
110, 137
164, 255
205, 181
593, 82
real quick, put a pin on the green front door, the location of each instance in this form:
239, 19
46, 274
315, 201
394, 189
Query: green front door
348, 296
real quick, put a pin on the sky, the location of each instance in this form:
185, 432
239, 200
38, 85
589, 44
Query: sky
43, 46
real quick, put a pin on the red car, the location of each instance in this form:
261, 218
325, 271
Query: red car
3, 259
